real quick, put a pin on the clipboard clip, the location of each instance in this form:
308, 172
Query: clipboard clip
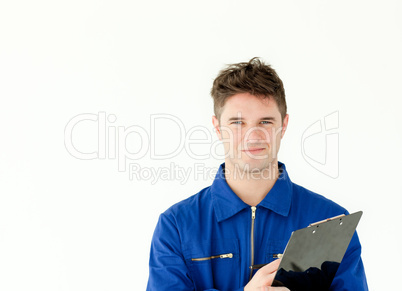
326, 220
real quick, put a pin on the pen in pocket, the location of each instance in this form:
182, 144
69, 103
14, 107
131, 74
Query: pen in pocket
259, 266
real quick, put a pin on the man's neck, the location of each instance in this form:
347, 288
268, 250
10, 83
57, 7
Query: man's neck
251, 187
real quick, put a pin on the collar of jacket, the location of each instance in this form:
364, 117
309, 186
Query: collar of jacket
226, 203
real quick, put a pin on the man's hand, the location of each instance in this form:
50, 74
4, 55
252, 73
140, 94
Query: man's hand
263, 279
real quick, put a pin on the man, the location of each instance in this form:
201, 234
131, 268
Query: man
212, 240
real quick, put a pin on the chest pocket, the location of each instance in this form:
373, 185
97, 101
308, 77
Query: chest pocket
213, 264
273, 249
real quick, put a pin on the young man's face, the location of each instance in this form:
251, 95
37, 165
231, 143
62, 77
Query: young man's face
251, 130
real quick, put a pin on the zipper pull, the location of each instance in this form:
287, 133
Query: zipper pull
277, 256
226, 256
253, 209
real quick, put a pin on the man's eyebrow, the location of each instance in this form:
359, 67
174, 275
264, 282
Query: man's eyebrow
268, 118
235, 118
241, 118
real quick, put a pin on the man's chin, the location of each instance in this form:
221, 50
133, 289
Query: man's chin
254, 166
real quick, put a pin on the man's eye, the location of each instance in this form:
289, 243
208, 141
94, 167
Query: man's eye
266, 122
237, 122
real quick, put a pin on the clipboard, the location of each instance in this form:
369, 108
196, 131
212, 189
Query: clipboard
313, 254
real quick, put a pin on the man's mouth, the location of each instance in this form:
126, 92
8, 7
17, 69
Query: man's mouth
254, 150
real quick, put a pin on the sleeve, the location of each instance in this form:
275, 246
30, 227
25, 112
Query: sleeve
167, 268
350, 275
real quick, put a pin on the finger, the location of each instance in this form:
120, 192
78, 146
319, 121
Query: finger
270, 268
275, 289
269, 279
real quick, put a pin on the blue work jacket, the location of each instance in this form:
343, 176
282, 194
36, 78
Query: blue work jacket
210, 240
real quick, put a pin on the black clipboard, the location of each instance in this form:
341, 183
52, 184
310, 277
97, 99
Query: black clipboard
314, 253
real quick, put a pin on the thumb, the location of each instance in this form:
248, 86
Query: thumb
270, 268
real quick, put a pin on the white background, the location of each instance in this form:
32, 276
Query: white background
73, 224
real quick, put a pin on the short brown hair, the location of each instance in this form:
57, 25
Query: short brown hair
254, 77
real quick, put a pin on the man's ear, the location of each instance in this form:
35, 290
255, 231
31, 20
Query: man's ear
285, 124
215, 122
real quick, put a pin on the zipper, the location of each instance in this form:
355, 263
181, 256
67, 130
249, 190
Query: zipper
224, 256
253, 209
277, 256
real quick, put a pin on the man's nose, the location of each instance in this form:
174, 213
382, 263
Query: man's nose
256, 134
